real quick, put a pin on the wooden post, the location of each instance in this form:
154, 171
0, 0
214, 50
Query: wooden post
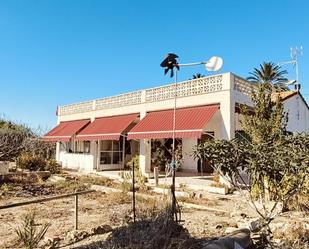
156, 175
76, 211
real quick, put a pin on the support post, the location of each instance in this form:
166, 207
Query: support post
76, 211
123, 151
133, 190
156, 175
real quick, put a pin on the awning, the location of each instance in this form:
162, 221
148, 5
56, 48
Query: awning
189, 123
65, 130
107, 128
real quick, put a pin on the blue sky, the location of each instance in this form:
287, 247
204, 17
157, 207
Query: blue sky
55, 52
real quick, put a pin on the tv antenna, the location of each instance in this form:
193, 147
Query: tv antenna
295, 52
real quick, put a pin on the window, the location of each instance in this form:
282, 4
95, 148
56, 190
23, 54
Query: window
82, 147
111, 152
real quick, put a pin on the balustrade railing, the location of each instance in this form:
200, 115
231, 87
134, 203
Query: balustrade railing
184, 89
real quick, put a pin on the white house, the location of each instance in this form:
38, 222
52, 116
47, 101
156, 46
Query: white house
103, 134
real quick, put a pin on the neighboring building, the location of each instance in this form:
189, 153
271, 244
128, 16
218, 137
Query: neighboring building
103, 134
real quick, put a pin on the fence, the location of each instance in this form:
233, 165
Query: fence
56, 197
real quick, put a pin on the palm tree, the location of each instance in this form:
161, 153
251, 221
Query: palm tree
269, 73
197, 76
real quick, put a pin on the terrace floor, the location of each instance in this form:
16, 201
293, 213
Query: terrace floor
195, 181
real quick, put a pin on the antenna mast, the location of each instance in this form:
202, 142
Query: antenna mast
295, 53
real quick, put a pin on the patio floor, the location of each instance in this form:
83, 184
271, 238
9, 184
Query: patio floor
195, 181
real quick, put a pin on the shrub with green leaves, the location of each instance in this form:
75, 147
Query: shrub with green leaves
30, 162
29, 233
37, 163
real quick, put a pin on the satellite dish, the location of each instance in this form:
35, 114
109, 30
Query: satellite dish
169, 63
214, 64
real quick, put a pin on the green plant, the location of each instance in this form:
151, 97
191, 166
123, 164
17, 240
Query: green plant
158, 157
126, 186
30, 162
141, 179
4, 189
29, 234
52, 166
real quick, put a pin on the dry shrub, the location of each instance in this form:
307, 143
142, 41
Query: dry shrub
293, 236
151, 233
69, 186
97, 180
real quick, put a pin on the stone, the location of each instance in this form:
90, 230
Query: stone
240, 238
76, 235
101, 229
229, 230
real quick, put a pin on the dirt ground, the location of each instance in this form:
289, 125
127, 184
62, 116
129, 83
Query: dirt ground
115, 209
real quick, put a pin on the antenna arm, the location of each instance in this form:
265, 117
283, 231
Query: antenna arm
192, 64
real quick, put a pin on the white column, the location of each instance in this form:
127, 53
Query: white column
189, 164
57, 151
227, 109
93, 152
144, 147
145, 156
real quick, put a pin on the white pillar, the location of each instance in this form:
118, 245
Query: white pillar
93, 152
57, 151
189, 164
145, 156
227, 109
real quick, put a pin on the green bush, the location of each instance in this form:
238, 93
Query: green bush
37, 163
52, 166
30, 162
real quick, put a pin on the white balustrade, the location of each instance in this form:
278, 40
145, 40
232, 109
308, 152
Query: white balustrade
184, 89
243, 86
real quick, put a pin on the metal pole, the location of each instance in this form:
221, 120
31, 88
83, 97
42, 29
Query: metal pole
173, 153
133, 195
297, 82
76, 211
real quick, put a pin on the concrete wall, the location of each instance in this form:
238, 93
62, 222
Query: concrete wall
298, 114
79, 162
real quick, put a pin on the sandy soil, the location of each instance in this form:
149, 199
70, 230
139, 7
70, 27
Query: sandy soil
114, 209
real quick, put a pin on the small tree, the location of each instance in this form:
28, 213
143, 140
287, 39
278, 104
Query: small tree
11, 143
276, 163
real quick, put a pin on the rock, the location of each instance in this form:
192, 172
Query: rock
229, 230
76, 235
55, 178
23, 193
101, 229
238, 239
51, 242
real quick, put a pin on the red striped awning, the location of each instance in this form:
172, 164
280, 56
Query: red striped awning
65, 130
190, 123
107, 128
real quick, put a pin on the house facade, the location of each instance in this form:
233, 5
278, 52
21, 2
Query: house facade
104, 134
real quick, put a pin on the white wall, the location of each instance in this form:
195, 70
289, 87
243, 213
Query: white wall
80, 162
222, 124
298, 114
